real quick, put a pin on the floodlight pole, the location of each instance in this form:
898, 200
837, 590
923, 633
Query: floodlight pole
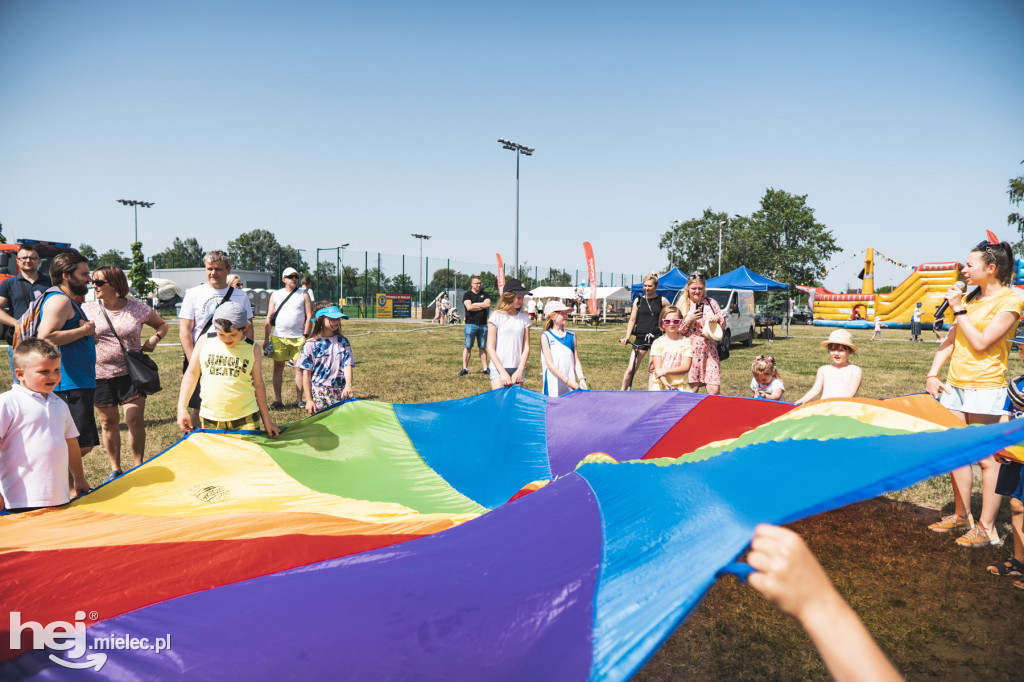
341, 276
421, 237
135, 204
721, 224
523, 150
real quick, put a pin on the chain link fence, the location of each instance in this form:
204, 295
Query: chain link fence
364, 274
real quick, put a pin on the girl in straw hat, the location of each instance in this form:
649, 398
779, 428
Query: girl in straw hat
840, 379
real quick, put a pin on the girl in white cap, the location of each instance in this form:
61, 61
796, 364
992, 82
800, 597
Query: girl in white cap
840, 379
559, 352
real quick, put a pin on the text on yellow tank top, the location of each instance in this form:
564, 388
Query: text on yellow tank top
226, 391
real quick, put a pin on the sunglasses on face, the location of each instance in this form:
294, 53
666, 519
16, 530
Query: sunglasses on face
291, 277
99, 283
671, 323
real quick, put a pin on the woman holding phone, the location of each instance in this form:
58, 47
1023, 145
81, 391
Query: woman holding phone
705, 370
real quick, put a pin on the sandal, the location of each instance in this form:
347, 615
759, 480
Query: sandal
1019, 584
1009, 567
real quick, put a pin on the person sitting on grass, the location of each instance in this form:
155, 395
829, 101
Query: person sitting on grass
232, 391
788, 575
840, 379
766, 382
38, 437
326, 361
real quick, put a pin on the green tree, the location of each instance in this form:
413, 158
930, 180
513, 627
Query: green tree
186, 253
259, 250
785, 241
325, 281
3, 239
558, 278
1016, 192
111, 257
402, 284
88, 252
139, 275
489, 281
693, 244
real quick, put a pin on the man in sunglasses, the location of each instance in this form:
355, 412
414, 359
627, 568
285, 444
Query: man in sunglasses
16, 293
290, 314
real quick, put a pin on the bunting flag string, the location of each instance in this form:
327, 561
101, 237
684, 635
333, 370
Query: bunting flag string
878, 253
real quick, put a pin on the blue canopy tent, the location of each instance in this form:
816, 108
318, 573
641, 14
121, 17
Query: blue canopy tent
669, 284
744, 278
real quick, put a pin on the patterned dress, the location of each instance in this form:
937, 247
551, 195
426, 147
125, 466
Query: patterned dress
705, 368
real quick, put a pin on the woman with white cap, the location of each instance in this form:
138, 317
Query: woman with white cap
702, 318
840, 379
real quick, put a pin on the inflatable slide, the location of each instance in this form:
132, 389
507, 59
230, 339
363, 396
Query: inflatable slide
926, 284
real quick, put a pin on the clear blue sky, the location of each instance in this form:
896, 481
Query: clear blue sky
363, 122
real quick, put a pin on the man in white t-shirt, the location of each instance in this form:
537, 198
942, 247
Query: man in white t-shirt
197, 309
291, 315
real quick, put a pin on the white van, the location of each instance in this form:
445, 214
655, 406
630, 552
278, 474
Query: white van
738, 307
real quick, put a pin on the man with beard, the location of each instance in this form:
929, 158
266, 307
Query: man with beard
19, 291
62, 322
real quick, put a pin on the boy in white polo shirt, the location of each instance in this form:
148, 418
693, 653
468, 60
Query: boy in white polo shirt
38, 437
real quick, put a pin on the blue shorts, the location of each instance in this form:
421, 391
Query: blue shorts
478, 332
1011, 480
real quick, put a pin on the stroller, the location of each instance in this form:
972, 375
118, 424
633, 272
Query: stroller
453, 316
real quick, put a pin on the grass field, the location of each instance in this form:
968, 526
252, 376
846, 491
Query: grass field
931, 605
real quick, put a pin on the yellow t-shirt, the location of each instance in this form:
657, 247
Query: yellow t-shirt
671, 354
987, 369
226, 390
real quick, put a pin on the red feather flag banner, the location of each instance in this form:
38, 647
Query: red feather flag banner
501, 274
588, 251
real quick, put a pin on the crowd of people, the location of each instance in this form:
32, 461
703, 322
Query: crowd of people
70, 364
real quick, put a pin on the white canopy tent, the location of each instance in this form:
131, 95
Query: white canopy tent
604, 294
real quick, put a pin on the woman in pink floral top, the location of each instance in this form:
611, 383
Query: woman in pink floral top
113, 385
705, 370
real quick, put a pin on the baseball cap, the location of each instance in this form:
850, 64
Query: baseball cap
516, 287
233, 313
289, 271
554, 307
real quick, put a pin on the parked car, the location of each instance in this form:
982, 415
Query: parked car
802, 313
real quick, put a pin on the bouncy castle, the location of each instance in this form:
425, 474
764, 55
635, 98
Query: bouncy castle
925, 285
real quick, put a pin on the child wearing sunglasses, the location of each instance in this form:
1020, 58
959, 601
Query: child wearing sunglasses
671, 354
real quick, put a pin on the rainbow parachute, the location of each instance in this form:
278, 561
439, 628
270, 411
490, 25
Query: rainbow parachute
454, 540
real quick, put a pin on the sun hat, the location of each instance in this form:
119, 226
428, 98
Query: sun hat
712, 331
840, 337
516, 287
331, 311
554, 307
233, 313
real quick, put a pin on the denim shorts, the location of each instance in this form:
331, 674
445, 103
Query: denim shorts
974, 401
477, 331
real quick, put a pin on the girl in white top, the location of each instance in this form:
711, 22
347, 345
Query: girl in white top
840, 379
559, 353
671, 354
508, 337
766, 382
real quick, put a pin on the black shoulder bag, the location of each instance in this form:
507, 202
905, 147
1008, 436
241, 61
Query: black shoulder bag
206, 327
273, 318
142, 369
